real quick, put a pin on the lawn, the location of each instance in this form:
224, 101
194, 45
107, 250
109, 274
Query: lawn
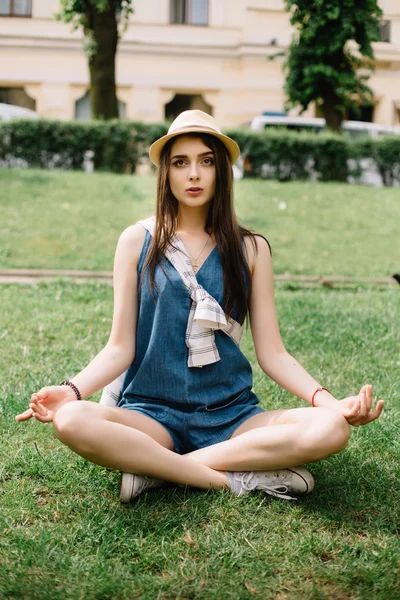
64, 534
64, 220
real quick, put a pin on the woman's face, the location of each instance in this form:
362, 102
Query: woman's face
191, 171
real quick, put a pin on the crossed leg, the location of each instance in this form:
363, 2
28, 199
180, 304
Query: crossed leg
127, 441
278, 439
130, 442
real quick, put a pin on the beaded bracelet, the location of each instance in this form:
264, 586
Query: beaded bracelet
73, 386
320, 389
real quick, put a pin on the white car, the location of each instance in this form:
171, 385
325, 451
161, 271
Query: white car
354, 128
9, 111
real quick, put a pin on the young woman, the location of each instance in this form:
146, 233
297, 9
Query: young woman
184, 282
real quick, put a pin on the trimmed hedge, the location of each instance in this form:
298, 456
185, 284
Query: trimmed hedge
288, 155
294, 155
119, 145
386, 154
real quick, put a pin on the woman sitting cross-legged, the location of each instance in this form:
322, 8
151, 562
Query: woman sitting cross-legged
184, 282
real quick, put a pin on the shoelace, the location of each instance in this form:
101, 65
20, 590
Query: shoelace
144, 483
278, 489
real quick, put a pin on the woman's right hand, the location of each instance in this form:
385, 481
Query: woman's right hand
46, 402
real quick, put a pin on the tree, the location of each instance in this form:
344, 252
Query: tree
103, 21
321, 65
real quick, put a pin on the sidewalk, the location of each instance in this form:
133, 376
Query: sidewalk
36, 275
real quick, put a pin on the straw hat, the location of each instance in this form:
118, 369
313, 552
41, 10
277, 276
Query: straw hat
198, 121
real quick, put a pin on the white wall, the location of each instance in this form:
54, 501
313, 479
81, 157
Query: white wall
45, 9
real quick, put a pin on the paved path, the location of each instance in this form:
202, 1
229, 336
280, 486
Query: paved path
35, 275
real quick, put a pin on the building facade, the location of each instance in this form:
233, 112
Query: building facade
174, 55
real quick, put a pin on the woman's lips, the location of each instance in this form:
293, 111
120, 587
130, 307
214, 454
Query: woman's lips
194, 191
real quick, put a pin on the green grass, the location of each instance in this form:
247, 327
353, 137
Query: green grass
64, 534
72, 220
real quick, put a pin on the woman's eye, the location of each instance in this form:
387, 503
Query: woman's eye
180, 162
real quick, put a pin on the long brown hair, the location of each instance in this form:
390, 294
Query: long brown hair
221, 222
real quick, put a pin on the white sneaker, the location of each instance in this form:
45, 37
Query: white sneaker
132, 485
296, 480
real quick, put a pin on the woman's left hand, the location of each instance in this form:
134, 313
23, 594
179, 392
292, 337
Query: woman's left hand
357, 410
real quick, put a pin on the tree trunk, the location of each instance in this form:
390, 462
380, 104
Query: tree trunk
333, 117
103, 97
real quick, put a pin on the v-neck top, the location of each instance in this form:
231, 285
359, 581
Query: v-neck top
189, 256
160, 370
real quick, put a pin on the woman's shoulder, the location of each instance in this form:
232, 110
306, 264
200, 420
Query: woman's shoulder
256, 245
134, 233
132, 239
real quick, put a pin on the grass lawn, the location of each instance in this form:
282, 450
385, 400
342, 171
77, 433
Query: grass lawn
70, 220
63, 532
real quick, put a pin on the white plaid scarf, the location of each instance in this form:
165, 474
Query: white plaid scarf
205, 316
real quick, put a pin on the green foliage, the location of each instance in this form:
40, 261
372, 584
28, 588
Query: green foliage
385, 152
288, 155
294, 156
330, 154
79, 12
321, 66
387, 158
117, 145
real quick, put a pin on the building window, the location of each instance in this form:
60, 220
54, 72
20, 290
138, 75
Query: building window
183, 102
15, 8
384, 29
189, 12
364, 113
17, 97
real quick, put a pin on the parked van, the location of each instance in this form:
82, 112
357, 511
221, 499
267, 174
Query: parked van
354, 128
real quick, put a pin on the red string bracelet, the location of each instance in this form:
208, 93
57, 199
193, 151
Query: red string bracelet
320, 389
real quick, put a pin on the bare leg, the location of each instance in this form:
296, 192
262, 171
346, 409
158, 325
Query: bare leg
277, 440
110, 437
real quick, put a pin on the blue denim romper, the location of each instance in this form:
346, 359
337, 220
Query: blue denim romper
198, 406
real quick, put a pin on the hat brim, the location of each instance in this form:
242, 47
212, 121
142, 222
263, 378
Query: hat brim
156, 148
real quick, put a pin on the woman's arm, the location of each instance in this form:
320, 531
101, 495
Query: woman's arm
273, 357
119, 351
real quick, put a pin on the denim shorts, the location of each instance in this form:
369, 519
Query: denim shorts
194, 426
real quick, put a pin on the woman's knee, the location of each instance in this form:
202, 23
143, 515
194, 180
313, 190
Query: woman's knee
69, 418
339, 433
327, 435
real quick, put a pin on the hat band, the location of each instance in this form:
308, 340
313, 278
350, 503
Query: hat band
197, 126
